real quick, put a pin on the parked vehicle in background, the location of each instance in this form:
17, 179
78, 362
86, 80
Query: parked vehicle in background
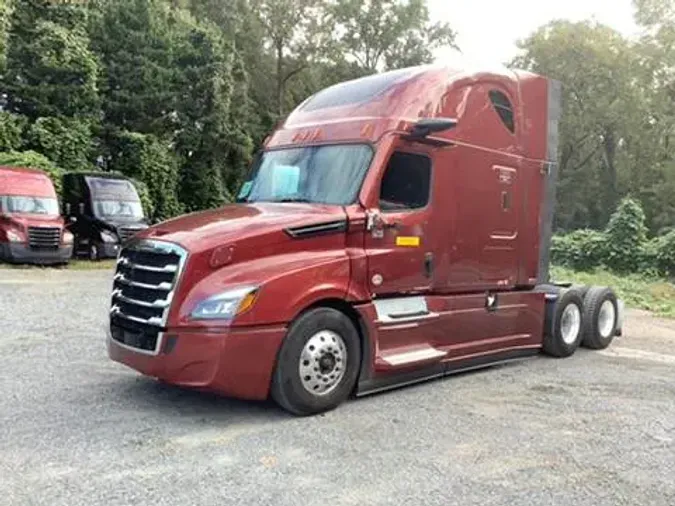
102, 211
395, 228
31, 227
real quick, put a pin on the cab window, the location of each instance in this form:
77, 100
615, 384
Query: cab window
406, 182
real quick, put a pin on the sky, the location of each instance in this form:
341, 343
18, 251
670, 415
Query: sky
487, 30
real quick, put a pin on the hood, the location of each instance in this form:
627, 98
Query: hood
273, 222
35, 220
114, 224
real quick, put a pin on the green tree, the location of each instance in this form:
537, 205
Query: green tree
5, 13
50, 69
172, 76
604, 113
295, 31
150, 161
388, 34
11, 131
65, 141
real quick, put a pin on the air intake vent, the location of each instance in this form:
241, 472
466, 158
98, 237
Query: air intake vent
306, 231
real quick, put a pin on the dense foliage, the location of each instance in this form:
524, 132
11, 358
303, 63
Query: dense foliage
618, 115
179, 93
623, 247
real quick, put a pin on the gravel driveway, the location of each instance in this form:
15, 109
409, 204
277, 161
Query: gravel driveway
75, 428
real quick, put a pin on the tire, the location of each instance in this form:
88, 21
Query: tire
563, 330
601, 313
582, 289
310, 376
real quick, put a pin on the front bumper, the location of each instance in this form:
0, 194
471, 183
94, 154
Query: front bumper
231, 362
20, 253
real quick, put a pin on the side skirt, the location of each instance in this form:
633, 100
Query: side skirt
375, 385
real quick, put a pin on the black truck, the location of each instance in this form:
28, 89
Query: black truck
103, 211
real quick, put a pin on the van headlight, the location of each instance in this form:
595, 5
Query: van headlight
226, 305
108, 236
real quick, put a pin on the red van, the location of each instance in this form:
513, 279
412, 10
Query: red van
31, 227
394, 229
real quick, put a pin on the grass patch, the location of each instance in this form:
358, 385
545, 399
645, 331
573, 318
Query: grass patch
73, 265
640, 292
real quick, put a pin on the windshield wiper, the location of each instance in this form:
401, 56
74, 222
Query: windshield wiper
301, 200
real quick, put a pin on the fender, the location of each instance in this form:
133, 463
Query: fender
288, 283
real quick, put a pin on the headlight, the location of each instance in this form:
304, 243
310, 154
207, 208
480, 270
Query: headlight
14, 236
226, 305
108, 236
67, 237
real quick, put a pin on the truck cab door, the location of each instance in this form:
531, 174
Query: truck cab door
398, 244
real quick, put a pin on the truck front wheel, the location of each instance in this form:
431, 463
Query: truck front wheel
318, 363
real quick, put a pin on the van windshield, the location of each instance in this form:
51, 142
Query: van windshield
317, 174
118, 209
19, 204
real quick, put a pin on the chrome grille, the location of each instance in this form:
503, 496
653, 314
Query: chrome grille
44, 237
146, 277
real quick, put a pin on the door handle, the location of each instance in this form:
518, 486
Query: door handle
428, 264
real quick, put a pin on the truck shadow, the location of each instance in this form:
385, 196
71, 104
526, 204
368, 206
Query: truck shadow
169, 401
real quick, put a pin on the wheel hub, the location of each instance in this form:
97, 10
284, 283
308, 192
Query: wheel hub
323, 362
606, 319
570, 323
327, 363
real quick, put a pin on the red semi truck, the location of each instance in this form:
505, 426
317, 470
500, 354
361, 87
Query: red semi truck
394, 228
31, 227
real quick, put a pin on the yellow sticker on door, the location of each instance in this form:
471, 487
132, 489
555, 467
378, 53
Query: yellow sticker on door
410, 242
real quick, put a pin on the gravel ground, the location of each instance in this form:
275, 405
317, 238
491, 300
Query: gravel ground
75, 428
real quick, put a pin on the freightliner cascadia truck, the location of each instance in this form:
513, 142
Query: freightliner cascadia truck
31, 227
393, 229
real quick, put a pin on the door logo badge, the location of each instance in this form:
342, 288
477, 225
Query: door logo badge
377, 279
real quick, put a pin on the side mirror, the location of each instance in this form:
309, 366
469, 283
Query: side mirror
428, 126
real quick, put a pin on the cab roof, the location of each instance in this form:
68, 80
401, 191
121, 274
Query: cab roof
363, 110
22, 170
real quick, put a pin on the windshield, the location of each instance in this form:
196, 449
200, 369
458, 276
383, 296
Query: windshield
120, 209
29, 205
319, 174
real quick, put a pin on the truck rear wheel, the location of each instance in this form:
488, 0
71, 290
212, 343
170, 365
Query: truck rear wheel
564, 324
318, 363
600, 318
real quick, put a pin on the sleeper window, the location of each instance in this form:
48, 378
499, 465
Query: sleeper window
503, 106
406, 182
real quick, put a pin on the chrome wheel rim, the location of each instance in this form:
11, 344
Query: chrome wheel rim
606, 319
323, 362
570, 323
